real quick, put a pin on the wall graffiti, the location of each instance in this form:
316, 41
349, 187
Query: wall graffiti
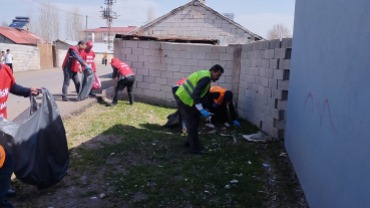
322, 111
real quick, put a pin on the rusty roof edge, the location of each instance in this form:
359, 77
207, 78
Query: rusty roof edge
168, 38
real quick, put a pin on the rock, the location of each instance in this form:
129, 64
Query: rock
83, 178
102, 196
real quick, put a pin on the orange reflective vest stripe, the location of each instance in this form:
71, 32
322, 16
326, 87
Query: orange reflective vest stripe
2, 156
222, 92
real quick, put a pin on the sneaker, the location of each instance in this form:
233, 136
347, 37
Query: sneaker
64, 99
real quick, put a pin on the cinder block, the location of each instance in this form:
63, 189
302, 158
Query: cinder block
150, 52
126, 50
205, 48
132, 44
282, 53
143, 44
172, 53
165, 88
137, 64
274, 63
226, 56
251, 78
205, 63
143, 71
287, 43
143, 58
179, 46
179, 75
148, 79
255, 45
269, 73
263, 44
149, 92
154, 86
271, 103
143, 85
277, 94
131, 57
166, 74
187, 68
192, 47
284, 64
199, 55
154, 45
160, 80
262, 72
167, 60
191, 62
276, 133
261, 90
254, 70
268, 92
167, 46
179, 61
278, 114
155, 72
266, 63
273, 83
279, 74
279, 124
282, 104
173, 68
161, 66
276, 43
263, 81
283, 85
154, 59
149, 65
214, 56
185, 54
219, 49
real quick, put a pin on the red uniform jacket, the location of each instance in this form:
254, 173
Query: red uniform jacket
123, 68
6, 83
75, 64
89, 57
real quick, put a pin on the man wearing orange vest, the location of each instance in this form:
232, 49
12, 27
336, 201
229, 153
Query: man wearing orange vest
8, 85
126, 78
71, 66
222, 99
89, 56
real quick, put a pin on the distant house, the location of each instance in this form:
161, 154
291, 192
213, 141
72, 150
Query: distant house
19, 36
62, 47
100, 35
196, 20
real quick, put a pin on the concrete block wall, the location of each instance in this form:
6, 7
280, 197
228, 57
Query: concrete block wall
159, 65
25, 57
198, 22
264, 84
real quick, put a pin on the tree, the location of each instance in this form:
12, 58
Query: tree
74, 24
48, 26
4, 24
278, 31
151, 13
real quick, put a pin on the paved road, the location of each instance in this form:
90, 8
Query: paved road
52, 79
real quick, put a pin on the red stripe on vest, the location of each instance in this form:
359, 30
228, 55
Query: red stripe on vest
123, 68
89, 57
7, 82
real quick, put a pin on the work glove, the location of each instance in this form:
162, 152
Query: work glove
215, 105
205, 113
236, 123
88, 67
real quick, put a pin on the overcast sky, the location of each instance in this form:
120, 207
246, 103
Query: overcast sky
256, 15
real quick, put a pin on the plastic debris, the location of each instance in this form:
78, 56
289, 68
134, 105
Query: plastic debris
249, 162
283, 154
266, 165
225, 135
112, 154
210, 125
154, 144
206, 191
83, 178
186, 179
239, 175
259, 137
227, 124
227, 186
212, 132
234, 181
102, 196
94, 197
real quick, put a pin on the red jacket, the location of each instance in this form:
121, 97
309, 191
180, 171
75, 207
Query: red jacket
180, 82
89, 57
75, 64
123, 68
7, 82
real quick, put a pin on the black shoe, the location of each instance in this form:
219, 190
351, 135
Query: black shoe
92, 95
65, 99
111, 104
11, 192
198, 152
186, 144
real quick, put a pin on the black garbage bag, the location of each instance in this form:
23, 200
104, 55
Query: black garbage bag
173, 120
87, 81
38, 143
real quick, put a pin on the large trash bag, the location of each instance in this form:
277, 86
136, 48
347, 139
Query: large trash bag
38, 143
87, 81
173, 120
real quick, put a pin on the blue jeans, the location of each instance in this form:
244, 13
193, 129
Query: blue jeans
5, 175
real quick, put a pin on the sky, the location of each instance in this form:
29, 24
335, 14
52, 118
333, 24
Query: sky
256, 15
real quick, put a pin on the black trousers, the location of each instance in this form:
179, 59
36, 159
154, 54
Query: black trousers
174, 89
121, 85
220, 114
68, 75
10, 66
105, 62
191, 117
5, 174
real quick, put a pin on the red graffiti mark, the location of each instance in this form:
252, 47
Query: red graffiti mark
322, 111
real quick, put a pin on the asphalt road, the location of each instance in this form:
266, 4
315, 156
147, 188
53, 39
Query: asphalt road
52, 79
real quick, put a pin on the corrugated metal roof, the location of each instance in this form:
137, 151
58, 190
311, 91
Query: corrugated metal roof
98, 47
20, 36
114, 29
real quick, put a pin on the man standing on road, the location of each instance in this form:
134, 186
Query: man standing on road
105, 58
126, 78
9, 59
89, 56
191, 94
71, 66
7, 85
2, 58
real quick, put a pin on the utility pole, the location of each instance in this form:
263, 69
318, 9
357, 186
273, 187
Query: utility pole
109, 15
86, 30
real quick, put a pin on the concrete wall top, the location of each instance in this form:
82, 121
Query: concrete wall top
328, 119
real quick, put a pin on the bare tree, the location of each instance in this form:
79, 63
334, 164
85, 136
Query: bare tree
279, 31
32, 25
151, 13
4, 24
49, 26
74, 24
